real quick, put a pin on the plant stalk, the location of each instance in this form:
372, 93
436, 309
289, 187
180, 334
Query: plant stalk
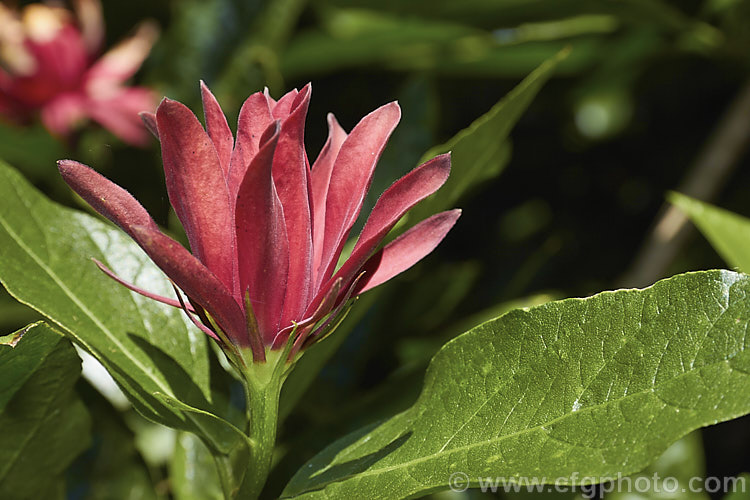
264, 415
247, 474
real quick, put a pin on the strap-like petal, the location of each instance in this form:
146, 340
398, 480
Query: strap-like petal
406, 250
281, 108
197, 189
262, 247
401, 196
390, 207
61, 114
271, 100
149, 121
197, 323
351, 178
178, 264
254, 119
217, 127
106, 197
195, 279
319, 182
60, 56
291, 177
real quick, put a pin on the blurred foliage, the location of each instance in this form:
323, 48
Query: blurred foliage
641, 90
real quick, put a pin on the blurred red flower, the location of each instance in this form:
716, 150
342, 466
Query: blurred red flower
49, 65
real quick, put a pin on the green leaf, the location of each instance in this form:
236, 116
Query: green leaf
20, 362
728, 232
481, 151
45, 262
595, 386
193, 472
44, 424
55, 491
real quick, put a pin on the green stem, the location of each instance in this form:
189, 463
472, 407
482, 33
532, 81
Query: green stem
264, 381
264, 412
244, 470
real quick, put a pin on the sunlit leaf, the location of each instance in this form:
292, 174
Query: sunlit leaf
149, 348
595, 386
728, 232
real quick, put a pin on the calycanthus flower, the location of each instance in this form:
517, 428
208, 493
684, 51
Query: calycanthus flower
49, 65
267, 230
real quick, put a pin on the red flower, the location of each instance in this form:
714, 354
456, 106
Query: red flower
265, 229
48, 65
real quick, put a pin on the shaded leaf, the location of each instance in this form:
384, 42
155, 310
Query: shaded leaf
44, 423
19, 360
594, 386
511, 12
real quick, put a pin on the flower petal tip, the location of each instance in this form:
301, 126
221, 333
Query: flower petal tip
66, 167
149, 121
205, 89
166, 102
332, 121
441, 162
